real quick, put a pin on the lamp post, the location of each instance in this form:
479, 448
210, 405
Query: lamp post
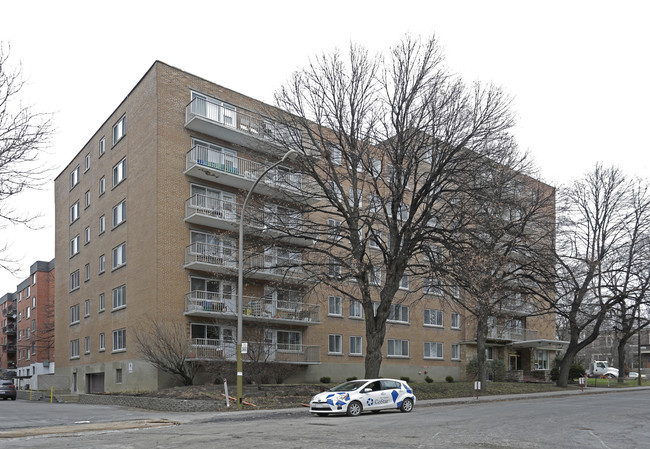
240, 278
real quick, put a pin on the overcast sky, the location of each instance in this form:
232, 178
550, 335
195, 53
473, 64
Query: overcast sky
579, 71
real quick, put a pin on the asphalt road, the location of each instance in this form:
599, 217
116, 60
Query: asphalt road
613, 420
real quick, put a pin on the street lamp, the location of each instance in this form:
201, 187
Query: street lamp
240, 278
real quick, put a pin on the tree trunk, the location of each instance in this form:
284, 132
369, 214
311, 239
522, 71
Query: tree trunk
373, 353
481, 338
620, 349
565, 367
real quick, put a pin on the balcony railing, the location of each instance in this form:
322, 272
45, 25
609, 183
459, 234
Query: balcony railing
10, 310
208, 303
236, 123
210, 349
9, 348
510, 333
9, 329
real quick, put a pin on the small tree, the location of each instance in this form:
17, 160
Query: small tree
165, 346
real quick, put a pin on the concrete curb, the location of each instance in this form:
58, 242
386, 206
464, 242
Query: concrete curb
89, 427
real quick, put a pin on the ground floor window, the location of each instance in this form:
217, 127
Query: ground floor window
334, 344
398, 348
541, 360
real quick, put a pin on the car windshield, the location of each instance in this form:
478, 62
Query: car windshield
349, 386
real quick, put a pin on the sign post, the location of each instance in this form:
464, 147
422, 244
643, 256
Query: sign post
477, 387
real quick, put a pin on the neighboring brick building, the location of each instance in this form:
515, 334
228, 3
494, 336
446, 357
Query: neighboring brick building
146, 229
28, 340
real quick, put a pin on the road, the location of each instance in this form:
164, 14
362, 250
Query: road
615, 420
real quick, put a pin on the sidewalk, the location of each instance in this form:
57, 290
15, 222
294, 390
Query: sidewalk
160, 419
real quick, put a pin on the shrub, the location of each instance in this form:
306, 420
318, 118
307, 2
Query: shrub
405, 378
472, 369
449, 379
351, 378
428, 380
555, 373
497, 368
576, 371
325, 379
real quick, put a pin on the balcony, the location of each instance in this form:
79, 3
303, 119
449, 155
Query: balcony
272, 266
511, 334
517, 307
212, 165
9, 329
255, 309
209, 349
10, 348
9, 311
216, 213
238, 125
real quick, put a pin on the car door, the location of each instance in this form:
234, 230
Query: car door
392, 392
371, 396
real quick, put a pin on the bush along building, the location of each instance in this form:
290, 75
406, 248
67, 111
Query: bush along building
28, 327
147, 243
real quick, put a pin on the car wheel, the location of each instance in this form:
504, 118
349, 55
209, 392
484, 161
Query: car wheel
407, 405
354, 408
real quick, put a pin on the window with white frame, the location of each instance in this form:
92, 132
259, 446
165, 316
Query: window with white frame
102, 342
398, 348
335, 345
356, 347
87, 198
489, 353
404, 282
289, 340
334, 229
541, 360
214, 202
432, 286
102, 146
336, 155
375, 276
87, 345
102, 263
214, 248
374, 239
119, 129
74, 245
398, 313
102, 302
356, 311
375, 203
87, 272
119, 213
74, 212
335, 306
432, 350
119, 172
87, 235
102, 224
74, 280
335, 190
375, 167
87, 308
455, 320
333, 268
74, 314
119, 255
74, 177
102, 185
455, 352
433, 317
119, 340
74, 349
282, 218
360, 196
119, 297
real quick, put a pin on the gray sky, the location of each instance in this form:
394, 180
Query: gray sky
579, 71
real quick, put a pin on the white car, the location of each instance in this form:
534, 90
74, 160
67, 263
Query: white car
356, 396
635, 375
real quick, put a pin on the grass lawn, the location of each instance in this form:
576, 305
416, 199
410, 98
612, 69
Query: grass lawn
443, 390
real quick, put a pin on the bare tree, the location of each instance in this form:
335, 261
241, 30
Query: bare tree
165, 346
389, 145
23, 136
595, 222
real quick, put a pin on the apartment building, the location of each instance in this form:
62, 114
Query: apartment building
147, 231
28, 326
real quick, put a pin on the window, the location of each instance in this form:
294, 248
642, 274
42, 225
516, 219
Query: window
87, 235
335, 306
119, 213
74, 246
398, 348
334, 344
87, 345
74, 280
289, 341
34, 302
432, 350
102, 302
336, 155
399, 313
102, 342
119, 256
87, 308
404, 282
455, 320
74, 177
375, 203
455, 291
102, 224
541, 360
119, 340
118, 375
87, 198
119, 297
119, 130
432, 287
74, 349
102, 146
374, 240
356, 310
87, 162
27, 312
74, 314
333, 229
455, 352
433, 317
87, 272
119, 172
74, 212
333, 268
102, 263
375, 168
355, 346
102, 185
280, 217
351, 193
489, 353
375, 276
